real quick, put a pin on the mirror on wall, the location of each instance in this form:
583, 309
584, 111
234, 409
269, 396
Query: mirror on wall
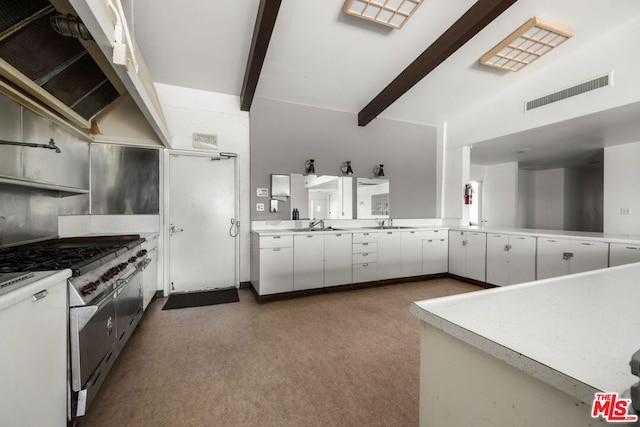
322, 197
372, 198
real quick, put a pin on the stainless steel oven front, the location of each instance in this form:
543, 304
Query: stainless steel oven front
99, 331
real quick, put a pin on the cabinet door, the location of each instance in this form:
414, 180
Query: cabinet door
33, 361
457, 253
412, 253
308, 262
276, 270
435, 256
366, 272
476, 255
389, 255
337, 259
497, 259
589, 256
522, 259
621, 253
550, 260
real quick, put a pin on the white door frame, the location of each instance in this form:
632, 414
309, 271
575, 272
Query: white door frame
164, 223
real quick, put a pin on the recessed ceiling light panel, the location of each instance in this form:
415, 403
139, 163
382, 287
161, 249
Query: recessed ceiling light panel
392, 13
528, 43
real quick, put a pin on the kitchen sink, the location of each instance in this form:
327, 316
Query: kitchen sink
389, 227
306, 230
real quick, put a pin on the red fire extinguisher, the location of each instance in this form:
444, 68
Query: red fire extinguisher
468, 192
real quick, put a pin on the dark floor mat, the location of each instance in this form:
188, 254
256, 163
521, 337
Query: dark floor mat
198, 299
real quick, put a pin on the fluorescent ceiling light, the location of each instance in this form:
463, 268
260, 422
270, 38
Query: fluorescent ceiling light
393, 13
528, 43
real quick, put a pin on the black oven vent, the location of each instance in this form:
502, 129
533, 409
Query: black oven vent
58, 64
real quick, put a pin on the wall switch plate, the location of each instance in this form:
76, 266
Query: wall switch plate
625, 211
260, 207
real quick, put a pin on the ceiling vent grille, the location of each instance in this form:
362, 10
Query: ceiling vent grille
596, 83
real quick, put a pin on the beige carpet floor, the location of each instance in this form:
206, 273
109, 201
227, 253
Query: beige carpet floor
340, 359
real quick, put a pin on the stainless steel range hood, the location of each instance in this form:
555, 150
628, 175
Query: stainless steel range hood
66, 79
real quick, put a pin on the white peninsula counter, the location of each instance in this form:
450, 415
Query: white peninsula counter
531, 354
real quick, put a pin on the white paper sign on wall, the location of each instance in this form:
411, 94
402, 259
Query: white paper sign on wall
262, 192
204, 140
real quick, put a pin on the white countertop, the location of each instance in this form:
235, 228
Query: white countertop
568, 234
565, 234
576, 333
290, 231
41, 280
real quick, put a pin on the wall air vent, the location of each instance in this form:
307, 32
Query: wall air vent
603, 81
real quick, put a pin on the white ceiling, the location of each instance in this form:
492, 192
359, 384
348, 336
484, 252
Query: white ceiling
321, 57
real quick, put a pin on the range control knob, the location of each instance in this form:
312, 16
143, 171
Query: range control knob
132, 260
123, 266
141, 253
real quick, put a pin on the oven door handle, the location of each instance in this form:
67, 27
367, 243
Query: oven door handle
120, 284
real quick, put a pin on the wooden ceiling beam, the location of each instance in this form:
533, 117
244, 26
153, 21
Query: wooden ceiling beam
265, 21
481, 14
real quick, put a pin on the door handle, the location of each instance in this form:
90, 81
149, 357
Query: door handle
40, 295
173, 229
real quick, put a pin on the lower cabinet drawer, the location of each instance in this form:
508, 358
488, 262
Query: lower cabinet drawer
365, 257
366, 272
276, 241
359, 248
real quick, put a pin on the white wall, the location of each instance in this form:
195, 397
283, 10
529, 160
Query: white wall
456, 172
284, 135
188, 111
621, 178
501, 195
549, 199
573, 206
526, 199
504, 113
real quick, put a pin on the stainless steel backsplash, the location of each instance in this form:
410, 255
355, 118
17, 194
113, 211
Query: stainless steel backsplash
26, 214
124, 180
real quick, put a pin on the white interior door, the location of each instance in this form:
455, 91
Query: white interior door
202, 202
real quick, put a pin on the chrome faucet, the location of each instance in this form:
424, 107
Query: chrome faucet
315, 222
389, 222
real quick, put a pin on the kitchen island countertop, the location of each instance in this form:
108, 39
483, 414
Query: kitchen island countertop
576, 333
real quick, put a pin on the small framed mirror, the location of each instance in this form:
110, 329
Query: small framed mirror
280, 185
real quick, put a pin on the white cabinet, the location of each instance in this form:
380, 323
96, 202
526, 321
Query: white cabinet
272, 264
308, 261
467, 254
510, 259
622, 253
412, 253
557, 257
365, 257
337, 259
389, 255
457, 253
33, 360
435, 252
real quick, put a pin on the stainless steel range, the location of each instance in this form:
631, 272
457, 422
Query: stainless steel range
105, 300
